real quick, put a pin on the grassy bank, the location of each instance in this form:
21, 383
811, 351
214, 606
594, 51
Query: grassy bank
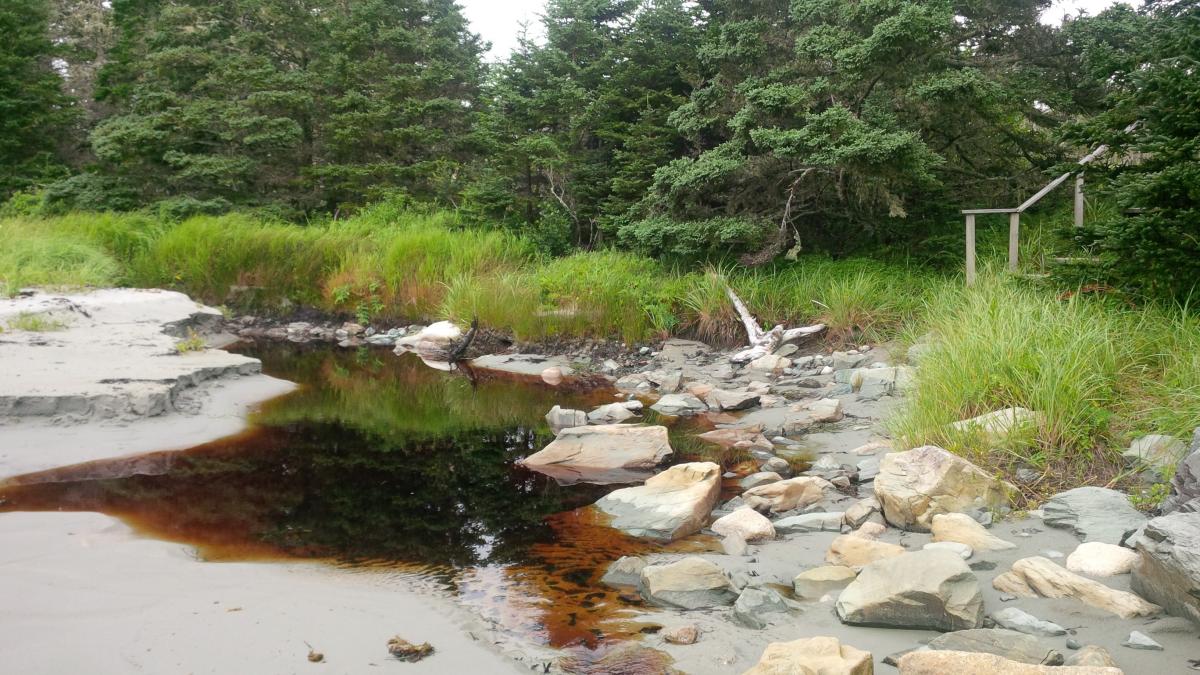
1100, 371
389, 264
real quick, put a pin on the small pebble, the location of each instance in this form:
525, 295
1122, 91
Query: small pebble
1049, 553
1073, 644
1005, 597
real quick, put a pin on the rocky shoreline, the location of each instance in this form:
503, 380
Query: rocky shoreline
839, 552
874, 556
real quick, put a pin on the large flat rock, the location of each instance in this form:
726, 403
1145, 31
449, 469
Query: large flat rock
114, 357
672, 504
602, 454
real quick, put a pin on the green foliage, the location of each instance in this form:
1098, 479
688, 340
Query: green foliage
840, 120
191, 343
579, 123
1156, 167
1095, 371
683, 241
34, 111
31, 256
253, 102
35, 322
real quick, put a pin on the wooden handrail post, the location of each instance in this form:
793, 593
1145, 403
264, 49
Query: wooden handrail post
970, 249
1079, 200
1014, 234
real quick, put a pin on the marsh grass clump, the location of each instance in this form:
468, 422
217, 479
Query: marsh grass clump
35, 322
37, 256
1096, 371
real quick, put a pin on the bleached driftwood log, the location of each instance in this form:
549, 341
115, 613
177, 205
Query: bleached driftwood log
764, 342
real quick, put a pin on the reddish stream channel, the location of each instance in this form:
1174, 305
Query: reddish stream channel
380, 461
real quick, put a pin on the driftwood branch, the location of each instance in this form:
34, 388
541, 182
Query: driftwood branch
460, 349
763, 342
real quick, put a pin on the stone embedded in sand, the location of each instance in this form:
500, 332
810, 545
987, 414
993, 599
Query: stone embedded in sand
786, 495
1168, 571
1093, 513
610, 414
810, 522
602, 453
815, 656
1014, 618
917, 485
961, 528
673, 504
1091, 655
925, 589
933, 662
999, 425
771, 363
679, 405
826, 410
753, 604
746, 523
1098, 559
961, 550
1040, 577
727, 438
1009, 644
759, 478
721, 399
818, 582
690, 583
682, 635
862, 511
1138, 640
870, 530
857, 552
624, 571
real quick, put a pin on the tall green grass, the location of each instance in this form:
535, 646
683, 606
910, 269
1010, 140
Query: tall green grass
42, 257
1098, 372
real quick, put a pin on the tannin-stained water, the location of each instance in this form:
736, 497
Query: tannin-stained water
381, 461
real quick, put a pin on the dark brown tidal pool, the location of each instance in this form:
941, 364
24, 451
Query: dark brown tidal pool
380, 461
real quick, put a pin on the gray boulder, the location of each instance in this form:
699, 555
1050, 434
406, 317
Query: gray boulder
1010, 644
810, 522
670, 505
679, 405
925, 590
609, 453
1094, 514
760, 478
1021, 621
691, 583
720, 399
624, 571
610, 414
1185, 485
754, 604
1168, 571
1155, 451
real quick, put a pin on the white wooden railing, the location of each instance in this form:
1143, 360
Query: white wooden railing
1014, 215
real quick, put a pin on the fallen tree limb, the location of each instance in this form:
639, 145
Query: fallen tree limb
763, 342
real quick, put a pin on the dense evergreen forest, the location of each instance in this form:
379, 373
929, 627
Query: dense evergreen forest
683, 130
